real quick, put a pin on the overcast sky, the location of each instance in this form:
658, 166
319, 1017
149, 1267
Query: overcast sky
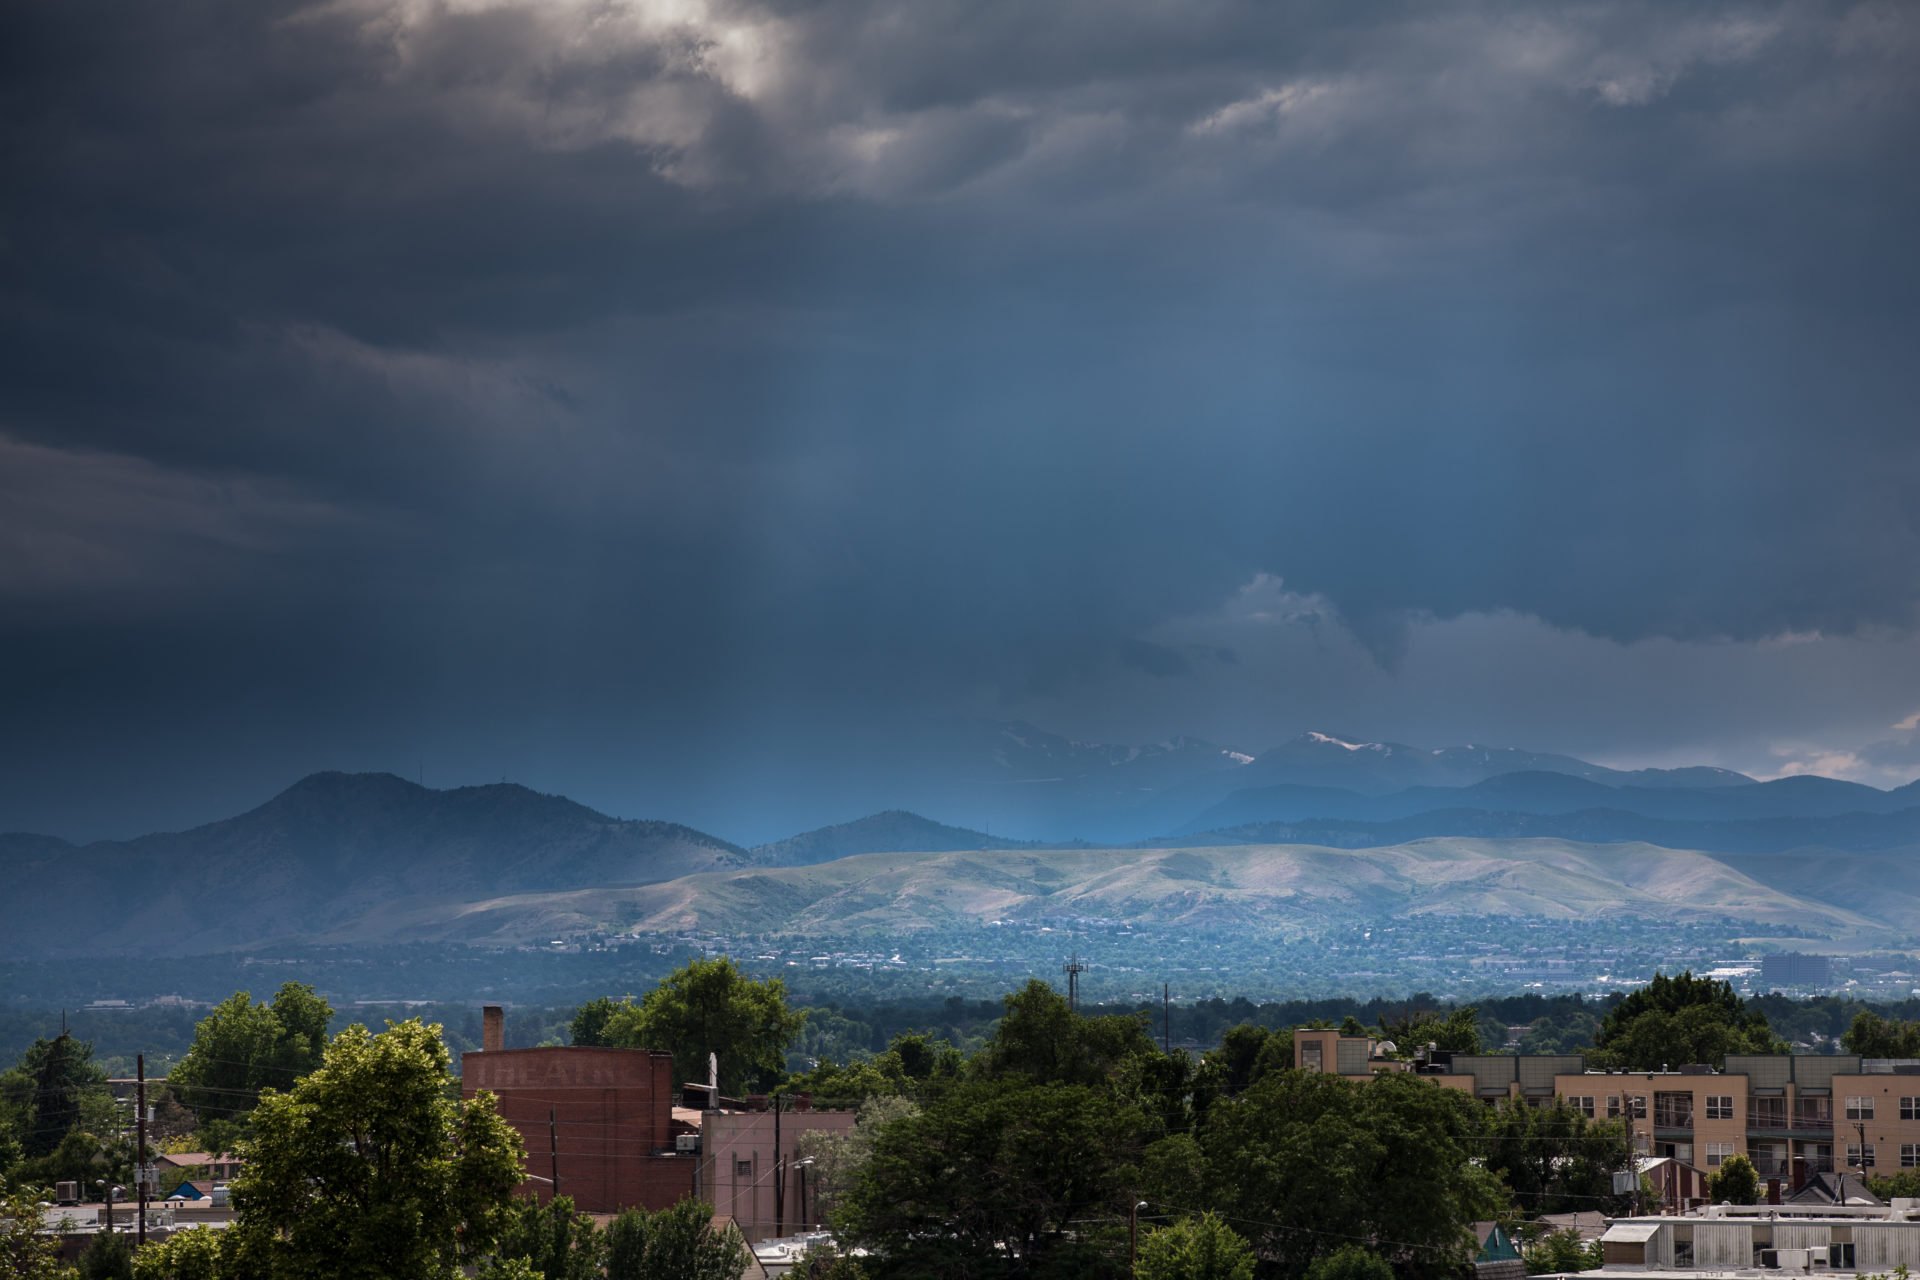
696, 406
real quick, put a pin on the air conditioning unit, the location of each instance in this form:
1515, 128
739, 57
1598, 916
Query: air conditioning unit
686, 1142
66, 1193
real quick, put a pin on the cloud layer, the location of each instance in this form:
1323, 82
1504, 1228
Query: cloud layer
635, 397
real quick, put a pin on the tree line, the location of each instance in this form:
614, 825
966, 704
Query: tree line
1060, 1143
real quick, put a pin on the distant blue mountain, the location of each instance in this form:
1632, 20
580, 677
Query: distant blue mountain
1541, 792
1851, 832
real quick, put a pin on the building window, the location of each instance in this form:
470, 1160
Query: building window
1859, 1108
1909, 1155
1719, 1107
1718, 1153
1840, 1257
1640, 1108
742, 1168
1859, 1157
1613, 1106
1311, 1056
1673, 1111
1910, 1108
1583, 1105
1766, 1113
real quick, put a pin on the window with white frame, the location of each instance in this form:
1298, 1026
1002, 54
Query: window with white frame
1910, 1155
1910, 1108
1584, 1105
1859, 1108
1613, 1106
1859, 1157
1718, 1153
1720, 1106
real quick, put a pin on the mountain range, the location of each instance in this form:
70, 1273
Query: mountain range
366, 857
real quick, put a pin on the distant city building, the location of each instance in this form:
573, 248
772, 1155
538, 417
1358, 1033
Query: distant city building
1794, 1116
1792, 969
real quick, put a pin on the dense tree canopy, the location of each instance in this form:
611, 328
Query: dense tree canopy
42, 1098
709, 1006
677, 1243
1197, 1248
366, 1170
1682, 1019
1554, 1159
242, 1048
1303, 1162
1000, 1177
1872, 1036
589, 1025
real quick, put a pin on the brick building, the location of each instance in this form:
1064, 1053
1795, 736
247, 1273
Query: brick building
1792, 1115
603, 1117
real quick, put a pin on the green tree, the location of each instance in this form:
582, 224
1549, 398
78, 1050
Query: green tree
709, 1006
824, 1262
1553, 1158
1042, 1038
1736, 1181
1872, 1036
1677, 1020
366, 1169
242, 1048
1350, 1262
676, 1243
48, 1091
589, 1025
997, 1177
1246, 1053
1557, 1251
1904, 1185
552, 1239
193, 1254
911, 1063
24, 1252
838, 1158
1201, 1248
108, 1257
1458, 1031
1391, 1160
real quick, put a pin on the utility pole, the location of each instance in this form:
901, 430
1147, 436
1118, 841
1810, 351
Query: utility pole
1861, 1129
140, 1128
1073, 969
779, 1173
553, 1152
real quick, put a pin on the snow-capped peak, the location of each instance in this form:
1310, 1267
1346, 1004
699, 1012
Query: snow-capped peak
1330, 740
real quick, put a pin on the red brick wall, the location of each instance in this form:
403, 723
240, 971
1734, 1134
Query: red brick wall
611, 1109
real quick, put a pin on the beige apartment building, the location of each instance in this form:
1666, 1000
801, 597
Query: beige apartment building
1793, 1115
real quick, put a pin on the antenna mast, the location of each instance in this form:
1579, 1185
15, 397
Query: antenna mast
1073, 969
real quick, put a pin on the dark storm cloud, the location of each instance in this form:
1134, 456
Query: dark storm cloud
593, 375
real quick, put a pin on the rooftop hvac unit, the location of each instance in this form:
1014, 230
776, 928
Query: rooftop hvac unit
66, 1193
686, 1142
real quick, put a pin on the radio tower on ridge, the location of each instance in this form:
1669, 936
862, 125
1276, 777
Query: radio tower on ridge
1073, 969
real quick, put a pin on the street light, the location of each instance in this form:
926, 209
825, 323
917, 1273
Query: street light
1133, 1237
110, 1189
802, 1164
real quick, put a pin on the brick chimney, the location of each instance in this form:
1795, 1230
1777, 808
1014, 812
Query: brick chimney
493, 1034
